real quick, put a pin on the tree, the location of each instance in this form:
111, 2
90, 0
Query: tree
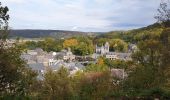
48, 44
150, 65
163, 18
98, 67
151, 60
70, 43
83, 49
163, 15
57, 85
15, 78
127, 65
96, 86
30, 45
118, 45
100, 41
4, 17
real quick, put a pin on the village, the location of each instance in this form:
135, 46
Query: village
40, 61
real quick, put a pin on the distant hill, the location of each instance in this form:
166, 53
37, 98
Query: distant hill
147, 28
47, 33
133, 35
125, 35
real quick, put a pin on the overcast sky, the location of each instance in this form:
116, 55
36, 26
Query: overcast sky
81, 15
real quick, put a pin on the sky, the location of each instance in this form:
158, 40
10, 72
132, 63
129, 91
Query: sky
81, 15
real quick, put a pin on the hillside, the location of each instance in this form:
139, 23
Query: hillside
128, 36
46, 33
133, 35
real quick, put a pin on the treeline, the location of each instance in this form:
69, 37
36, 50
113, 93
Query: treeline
79, 45
133, 36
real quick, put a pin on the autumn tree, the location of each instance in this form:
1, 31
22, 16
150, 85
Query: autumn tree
70, 43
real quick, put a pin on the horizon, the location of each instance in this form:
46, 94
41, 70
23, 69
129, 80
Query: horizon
81, 15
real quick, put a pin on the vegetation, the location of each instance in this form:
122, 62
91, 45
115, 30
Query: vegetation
16, 79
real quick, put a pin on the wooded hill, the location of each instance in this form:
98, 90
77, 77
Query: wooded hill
133, 35
128, 36
47, 33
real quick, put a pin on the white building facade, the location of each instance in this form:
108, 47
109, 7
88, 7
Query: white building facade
103, 49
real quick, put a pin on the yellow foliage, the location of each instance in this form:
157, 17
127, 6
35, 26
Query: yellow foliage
70, 43
100, 61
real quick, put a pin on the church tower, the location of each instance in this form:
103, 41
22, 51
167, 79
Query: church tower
107, 47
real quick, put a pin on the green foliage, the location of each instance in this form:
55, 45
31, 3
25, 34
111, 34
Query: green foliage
80, 45
131, 36
30, 45
57, 85
85, 46
127, 65
118, 45
4, 17
137, 35
96, 68
83, 49
48, 44
100, 41
151, 63
16, 79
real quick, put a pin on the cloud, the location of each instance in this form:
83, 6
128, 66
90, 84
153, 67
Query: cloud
81, 15
74, 28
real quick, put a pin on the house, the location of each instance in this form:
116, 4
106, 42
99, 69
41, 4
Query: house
39, 56
118, 56
39, 61
66, 55
69, 55
103, 49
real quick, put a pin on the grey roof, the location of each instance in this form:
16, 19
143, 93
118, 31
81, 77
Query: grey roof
37, 66
26, 56
122, 56
49, 56
38, 50
80, 66
69, 66
119, 54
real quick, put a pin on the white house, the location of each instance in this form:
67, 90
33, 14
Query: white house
103, 49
